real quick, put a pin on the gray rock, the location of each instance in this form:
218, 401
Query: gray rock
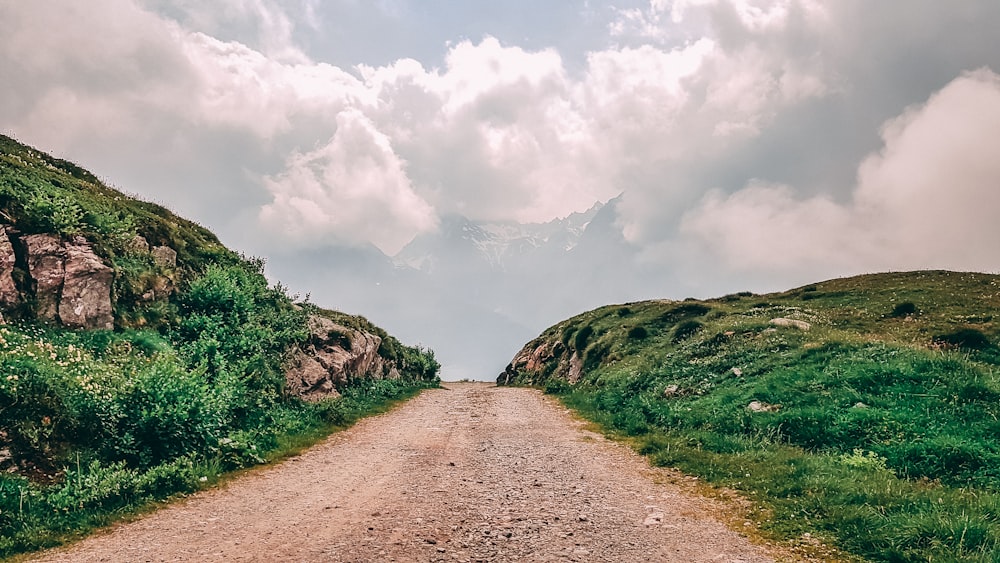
46, 266
164, 256
333, 356
791, 323
138, 244
575, 367
758, 406
9, 294
85, 301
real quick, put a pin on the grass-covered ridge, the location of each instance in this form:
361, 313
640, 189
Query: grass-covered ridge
96, 424
869, 416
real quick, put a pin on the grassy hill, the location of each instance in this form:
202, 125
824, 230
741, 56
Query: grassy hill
188, 385
862, 410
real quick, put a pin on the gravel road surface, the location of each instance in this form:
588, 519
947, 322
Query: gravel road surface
471, 472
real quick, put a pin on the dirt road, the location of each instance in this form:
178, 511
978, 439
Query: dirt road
468, 473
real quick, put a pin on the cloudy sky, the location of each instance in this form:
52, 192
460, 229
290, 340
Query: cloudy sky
757, 143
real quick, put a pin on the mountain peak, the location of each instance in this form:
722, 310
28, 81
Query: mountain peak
495, 242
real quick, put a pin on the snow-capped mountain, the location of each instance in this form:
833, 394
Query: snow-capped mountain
494, 242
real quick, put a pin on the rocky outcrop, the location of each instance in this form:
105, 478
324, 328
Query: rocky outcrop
63, 282
10, 296
528, 365
333, 356
164, 256
152, 288
71, 284
86, 290
47, 267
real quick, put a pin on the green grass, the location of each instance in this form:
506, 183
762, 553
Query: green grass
874, 430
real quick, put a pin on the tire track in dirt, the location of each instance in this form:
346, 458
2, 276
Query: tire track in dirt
468, 473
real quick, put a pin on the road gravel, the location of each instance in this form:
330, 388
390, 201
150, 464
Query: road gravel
467, 473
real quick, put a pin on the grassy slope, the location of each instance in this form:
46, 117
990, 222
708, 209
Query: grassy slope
96, 424
879, 424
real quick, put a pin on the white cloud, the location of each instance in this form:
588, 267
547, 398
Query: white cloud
244, 89
928, 199
497, 132
353, 189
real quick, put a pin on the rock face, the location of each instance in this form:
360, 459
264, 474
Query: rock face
66, 281
47, 268
86, 295
9, 294
164, 256
533, 358
333, 356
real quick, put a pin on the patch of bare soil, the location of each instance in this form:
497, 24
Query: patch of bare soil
468, 473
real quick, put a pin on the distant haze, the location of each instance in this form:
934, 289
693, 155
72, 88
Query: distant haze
468, 173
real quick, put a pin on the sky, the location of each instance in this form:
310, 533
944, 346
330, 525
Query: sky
755, 144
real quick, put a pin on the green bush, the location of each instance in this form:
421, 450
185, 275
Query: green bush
583, 337
51, 212
637, 333
966, 338
904, 309
686, 329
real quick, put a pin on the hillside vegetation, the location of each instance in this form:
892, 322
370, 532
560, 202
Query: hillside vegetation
864, 411
190, 382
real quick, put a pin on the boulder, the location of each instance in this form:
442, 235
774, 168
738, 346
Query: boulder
164, 256
46, 266
791, 323
759, 406
138, 244
71, 284
575, 367
334, 355
9, 294
530, 359
86, 290
306, 378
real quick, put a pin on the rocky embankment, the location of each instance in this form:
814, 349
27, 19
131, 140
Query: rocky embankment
529, 364
334, 355
62, 280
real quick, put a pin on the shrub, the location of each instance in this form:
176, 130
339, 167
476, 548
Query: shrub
567, 335
582, 337
172, 412
685, 329
637, 333
967, 338
595, 354
904, 309
556, 386
684, 311
47, 211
